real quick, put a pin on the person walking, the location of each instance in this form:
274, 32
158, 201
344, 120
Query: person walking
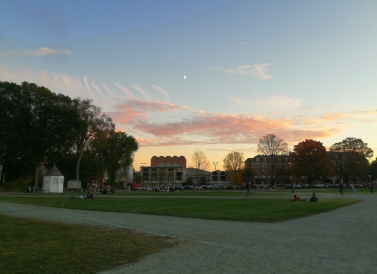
352, 189
341, 188
371, 188
248, 192
293, 187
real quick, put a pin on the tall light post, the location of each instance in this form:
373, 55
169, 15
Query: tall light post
217, 177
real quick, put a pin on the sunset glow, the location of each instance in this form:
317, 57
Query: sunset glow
296, 69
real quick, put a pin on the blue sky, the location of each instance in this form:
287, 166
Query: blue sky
296, 69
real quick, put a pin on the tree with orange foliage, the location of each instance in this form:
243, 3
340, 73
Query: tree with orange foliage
310, 159
234, 166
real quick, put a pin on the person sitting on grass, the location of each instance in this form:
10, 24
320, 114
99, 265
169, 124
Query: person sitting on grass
313, 198
296, 198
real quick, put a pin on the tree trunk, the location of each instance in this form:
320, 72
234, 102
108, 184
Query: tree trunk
36, 178
78, 161
2, 177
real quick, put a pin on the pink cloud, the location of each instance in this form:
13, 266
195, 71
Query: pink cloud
135, 110
225, 129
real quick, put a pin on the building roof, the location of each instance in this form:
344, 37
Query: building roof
54, 171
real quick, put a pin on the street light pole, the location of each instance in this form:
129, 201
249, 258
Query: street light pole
217, 177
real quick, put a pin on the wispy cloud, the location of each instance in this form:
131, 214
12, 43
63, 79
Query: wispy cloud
162, 91
356, 115
85, 79
125, 90
165, 123
226, 129
143, 92
258, 71
135, 110
274, 102
215, 68
36, 52
108, 90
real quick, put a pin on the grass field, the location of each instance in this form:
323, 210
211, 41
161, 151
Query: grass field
225, 208
31, 246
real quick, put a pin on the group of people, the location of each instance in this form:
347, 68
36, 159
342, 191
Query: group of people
353, 189
298, 199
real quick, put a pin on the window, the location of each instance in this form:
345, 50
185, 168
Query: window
257, 160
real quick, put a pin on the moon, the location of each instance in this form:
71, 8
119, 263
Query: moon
184, 76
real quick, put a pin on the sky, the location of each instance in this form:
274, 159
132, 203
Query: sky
209, 75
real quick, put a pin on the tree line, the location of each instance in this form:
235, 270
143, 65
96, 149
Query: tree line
40, 127
345, 160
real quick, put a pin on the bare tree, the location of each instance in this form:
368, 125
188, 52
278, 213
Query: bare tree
234, 166
272, 147
200, 162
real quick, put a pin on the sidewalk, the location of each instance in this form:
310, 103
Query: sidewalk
341, 241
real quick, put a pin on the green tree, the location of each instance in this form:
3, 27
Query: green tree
272, 147
119, 153
310, 159
203, 179
373, 170
39, 125
353, 158
234, 166
138, 178
189, 181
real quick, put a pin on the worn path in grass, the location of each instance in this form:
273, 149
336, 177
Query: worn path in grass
340, 241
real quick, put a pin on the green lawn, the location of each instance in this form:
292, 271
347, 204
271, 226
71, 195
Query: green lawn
31, 246
247, 210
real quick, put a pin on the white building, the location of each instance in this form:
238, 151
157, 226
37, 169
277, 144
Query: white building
53, 181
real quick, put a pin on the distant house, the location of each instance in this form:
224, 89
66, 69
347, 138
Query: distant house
262, 164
